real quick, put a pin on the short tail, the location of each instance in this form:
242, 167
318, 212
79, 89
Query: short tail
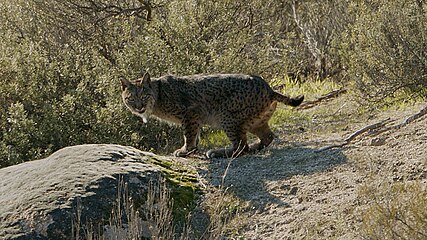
296, 101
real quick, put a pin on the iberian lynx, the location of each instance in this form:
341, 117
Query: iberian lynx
233, 102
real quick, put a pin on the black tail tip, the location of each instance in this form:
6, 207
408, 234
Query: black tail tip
296, 101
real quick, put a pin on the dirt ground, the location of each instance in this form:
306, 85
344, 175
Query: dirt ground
293, 191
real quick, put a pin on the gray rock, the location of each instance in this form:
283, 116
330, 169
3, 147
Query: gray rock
38, 198
377, 141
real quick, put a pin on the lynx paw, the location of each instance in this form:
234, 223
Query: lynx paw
219, 153
180, 153
211, 154
183, 152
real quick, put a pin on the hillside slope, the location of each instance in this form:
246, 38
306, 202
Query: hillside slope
295, 192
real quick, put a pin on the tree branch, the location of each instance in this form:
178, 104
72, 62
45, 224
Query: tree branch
377, 127
412, 118
359, 132
326, 97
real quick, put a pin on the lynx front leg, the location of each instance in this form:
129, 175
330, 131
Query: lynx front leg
191, 135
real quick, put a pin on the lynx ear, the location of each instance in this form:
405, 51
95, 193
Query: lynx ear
146, 80
125, 83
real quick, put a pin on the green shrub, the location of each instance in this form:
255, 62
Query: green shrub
60, 61
387, 49
396, 211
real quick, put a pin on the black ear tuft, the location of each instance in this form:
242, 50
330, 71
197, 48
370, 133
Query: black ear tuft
125, 83
146, 80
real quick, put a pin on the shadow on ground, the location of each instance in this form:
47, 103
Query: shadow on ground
249, 175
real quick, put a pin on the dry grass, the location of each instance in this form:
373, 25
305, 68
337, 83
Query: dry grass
395, 211
154, 219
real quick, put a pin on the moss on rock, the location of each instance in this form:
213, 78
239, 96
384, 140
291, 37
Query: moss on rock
183, 184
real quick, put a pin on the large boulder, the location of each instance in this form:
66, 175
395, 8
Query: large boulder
39, 199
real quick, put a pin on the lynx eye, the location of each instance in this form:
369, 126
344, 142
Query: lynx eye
145, 98
130, 99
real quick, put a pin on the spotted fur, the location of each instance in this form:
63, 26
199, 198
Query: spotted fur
233, 102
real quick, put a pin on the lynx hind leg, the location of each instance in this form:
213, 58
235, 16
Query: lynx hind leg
265, 135
260, 128
191, 139
239, 145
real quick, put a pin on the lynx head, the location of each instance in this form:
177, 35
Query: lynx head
138, 96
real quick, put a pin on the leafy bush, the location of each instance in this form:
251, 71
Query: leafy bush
60, 61
50, 102
388, 49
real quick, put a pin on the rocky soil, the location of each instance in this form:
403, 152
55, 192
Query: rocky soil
295, 192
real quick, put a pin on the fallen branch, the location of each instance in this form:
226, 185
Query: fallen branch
376, 127
331, 95
412, 118
367, 128
357, 133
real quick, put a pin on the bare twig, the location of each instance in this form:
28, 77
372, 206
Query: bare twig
326, 97
339, 109
234, 156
